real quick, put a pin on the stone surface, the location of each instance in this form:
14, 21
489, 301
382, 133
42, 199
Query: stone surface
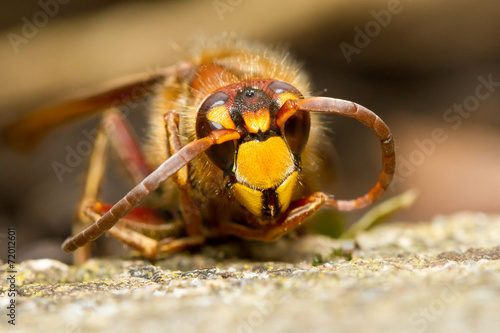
438, 276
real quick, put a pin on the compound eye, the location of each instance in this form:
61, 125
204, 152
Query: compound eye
297, 127
213, 115
217, 99
280, 87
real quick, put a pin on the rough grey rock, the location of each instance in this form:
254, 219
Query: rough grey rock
440, 276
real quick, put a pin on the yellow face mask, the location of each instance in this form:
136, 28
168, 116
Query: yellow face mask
265, 175
263, 165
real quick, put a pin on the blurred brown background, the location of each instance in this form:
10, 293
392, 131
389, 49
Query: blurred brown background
415, 63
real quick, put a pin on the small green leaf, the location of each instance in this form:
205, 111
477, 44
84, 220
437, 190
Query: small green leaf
381, 212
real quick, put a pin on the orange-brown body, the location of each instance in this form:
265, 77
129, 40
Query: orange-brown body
233, 140
265, 164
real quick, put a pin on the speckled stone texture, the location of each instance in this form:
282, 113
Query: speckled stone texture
438, 276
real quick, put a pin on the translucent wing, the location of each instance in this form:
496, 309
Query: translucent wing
27, 131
